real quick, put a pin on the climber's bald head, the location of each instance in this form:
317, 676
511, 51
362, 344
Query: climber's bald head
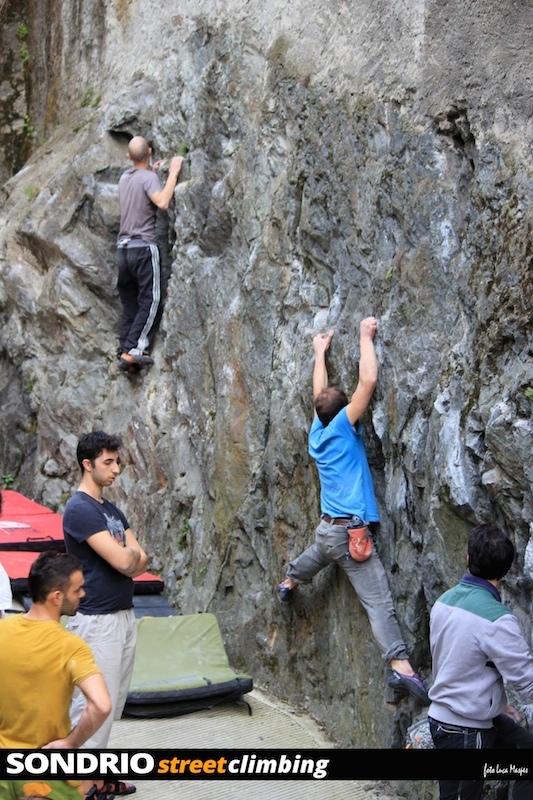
138, 150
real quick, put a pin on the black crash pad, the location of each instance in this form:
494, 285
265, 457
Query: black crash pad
152, 605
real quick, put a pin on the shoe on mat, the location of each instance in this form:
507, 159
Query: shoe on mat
99, 794
285, 593
119, 788
410, 683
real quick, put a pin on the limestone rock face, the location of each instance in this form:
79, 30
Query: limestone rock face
342, 160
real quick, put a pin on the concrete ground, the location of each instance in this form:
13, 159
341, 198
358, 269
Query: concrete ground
273, 724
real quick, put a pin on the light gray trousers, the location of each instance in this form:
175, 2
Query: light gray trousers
368, 578
112, 639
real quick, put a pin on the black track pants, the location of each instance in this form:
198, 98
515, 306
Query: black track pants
139, 288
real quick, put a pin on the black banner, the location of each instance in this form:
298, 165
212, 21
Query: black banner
314, 765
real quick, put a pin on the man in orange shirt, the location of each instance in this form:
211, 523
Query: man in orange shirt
41, 663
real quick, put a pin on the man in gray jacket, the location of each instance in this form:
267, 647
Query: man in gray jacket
476, 644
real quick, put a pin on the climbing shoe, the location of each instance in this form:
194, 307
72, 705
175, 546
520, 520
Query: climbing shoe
413, 684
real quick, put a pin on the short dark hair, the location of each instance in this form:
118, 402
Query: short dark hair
329, 402
490, 553
49, 572
93, 444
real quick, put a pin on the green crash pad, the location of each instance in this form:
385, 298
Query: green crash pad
181, 666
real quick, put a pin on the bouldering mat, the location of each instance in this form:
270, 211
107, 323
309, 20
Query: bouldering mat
17, 564
152, 605
181, 666
28, 528
27, 525
16, 504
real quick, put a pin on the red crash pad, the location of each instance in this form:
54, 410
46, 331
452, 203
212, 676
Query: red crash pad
27, 528
26, 525
17, 564
15, 504
40, 532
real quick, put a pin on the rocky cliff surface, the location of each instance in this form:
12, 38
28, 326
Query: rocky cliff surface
343, 159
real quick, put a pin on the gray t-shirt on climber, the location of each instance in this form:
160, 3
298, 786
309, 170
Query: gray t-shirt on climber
137, 212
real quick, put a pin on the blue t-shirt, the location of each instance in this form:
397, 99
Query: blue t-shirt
345, 479
106, 589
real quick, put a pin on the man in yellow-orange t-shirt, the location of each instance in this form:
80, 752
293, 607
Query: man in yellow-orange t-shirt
41, 663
